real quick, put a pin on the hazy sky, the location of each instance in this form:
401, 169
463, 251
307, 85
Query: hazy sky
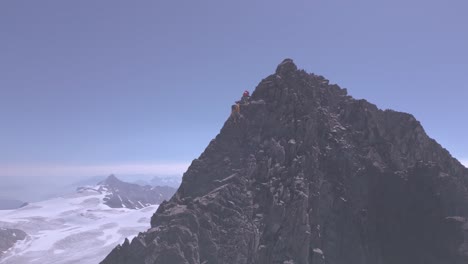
91, 87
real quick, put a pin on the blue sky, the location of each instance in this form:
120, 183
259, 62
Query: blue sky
91, 87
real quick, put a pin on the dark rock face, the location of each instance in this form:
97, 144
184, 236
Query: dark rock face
310, 175
121, 194
8, 238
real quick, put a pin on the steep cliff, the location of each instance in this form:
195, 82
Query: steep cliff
310, 175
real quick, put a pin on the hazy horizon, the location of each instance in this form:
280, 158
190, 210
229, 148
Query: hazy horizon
34, 188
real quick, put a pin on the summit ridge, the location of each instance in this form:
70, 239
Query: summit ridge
310, 175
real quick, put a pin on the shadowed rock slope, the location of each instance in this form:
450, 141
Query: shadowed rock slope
310, 175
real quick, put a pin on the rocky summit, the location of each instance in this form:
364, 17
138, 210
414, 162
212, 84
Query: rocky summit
309, 175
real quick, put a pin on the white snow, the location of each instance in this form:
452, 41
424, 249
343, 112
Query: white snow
77, 228
318, 251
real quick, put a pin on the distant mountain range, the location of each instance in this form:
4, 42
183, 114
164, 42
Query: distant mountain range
41, 188
172, 181
81, 227
159, 180
119, 194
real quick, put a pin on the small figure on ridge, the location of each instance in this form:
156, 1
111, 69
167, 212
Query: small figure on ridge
245, 97
235, 112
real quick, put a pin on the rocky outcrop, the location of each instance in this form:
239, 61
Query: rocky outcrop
310, 175
8, 238
119, 194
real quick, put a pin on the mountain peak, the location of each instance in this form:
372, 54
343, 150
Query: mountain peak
120, 194
308, 174
111, 179
286, 66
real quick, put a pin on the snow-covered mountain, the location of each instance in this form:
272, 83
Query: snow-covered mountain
119, 194
78, 228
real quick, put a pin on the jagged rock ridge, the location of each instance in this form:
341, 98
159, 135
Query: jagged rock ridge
121, 194
310, 175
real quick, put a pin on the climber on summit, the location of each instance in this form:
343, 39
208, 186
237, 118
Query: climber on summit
245, 97
235, 109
